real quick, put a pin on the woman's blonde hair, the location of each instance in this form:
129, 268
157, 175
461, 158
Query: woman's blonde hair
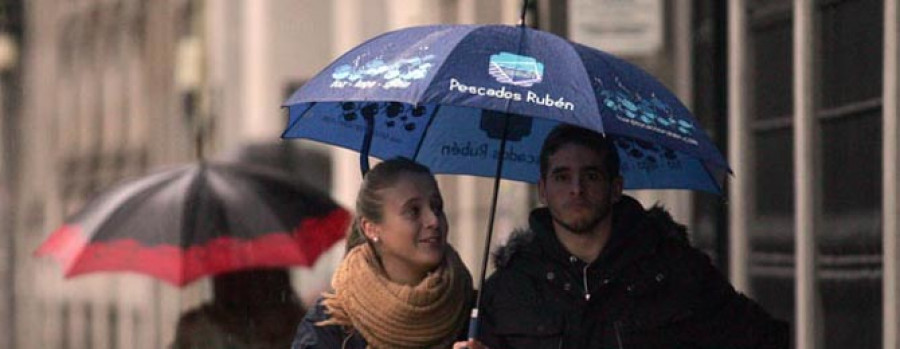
369, 203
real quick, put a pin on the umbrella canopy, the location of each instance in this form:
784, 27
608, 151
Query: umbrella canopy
201, 219
295, 160
452, 97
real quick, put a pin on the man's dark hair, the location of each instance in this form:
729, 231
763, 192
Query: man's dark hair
566, 134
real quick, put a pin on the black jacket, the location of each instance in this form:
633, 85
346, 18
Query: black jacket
332, 336
648, 289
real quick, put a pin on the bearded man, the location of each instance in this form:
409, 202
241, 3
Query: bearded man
597, 270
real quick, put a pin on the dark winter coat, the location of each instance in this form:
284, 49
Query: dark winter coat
648, 289
332, 336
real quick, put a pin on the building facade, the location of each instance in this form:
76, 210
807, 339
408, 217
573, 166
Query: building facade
102, 90
94, 104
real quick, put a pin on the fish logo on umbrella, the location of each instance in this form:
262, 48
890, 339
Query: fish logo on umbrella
515, 69
648, 112
397, 74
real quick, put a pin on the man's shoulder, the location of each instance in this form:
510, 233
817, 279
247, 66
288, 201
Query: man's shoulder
659, 220
514, 261
510, 255
510, 285
671, 243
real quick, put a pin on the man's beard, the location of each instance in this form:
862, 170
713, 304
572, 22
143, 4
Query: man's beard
584, 226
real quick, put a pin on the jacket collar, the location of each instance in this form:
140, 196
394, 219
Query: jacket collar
636, 233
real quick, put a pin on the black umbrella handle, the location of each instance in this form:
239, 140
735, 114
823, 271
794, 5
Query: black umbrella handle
367, 144
473, 323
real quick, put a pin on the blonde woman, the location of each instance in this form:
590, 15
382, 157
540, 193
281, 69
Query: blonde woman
400, 285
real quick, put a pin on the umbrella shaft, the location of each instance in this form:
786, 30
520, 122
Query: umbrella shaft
473, 330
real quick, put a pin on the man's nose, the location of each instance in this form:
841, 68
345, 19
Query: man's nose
576, 185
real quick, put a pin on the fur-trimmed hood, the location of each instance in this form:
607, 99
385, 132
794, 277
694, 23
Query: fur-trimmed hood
633, 227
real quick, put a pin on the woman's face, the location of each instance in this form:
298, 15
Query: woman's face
412, 237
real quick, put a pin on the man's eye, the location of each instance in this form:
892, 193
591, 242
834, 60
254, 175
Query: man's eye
560, 177
593, 176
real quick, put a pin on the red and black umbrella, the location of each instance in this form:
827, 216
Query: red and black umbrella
196, 220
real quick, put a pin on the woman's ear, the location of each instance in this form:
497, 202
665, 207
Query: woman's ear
369, 229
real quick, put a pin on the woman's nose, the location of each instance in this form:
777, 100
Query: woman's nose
431, 217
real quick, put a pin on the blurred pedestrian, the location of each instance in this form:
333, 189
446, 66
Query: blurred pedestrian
597, 270
400, 285
255, 308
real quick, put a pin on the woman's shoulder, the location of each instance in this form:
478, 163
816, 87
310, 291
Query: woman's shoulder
317, 312
312, 335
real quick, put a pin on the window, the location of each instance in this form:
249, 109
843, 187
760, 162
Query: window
848, 83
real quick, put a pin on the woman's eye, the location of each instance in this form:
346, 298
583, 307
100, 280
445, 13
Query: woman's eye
413, 211
436, 205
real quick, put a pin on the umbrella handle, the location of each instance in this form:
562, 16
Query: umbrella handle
367, 144
473, 324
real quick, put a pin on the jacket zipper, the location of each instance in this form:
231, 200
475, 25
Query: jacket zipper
346, 340
616, 325
587, 292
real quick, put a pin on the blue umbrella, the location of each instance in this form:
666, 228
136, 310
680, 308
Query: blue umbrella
480, 99
439, 94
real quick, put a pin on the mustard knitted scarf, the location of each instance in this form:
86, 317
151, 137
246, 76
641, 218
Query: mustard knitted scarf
392, 315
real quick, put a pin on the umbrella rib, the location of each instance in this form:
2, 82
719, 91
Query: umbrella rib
425, 131
188, 218
292, 123
712, 177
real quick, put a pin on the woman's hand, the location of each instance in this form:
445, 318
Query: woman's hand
471, 344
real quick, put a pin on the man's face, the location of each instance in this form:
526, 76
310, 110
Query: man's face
577, 189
